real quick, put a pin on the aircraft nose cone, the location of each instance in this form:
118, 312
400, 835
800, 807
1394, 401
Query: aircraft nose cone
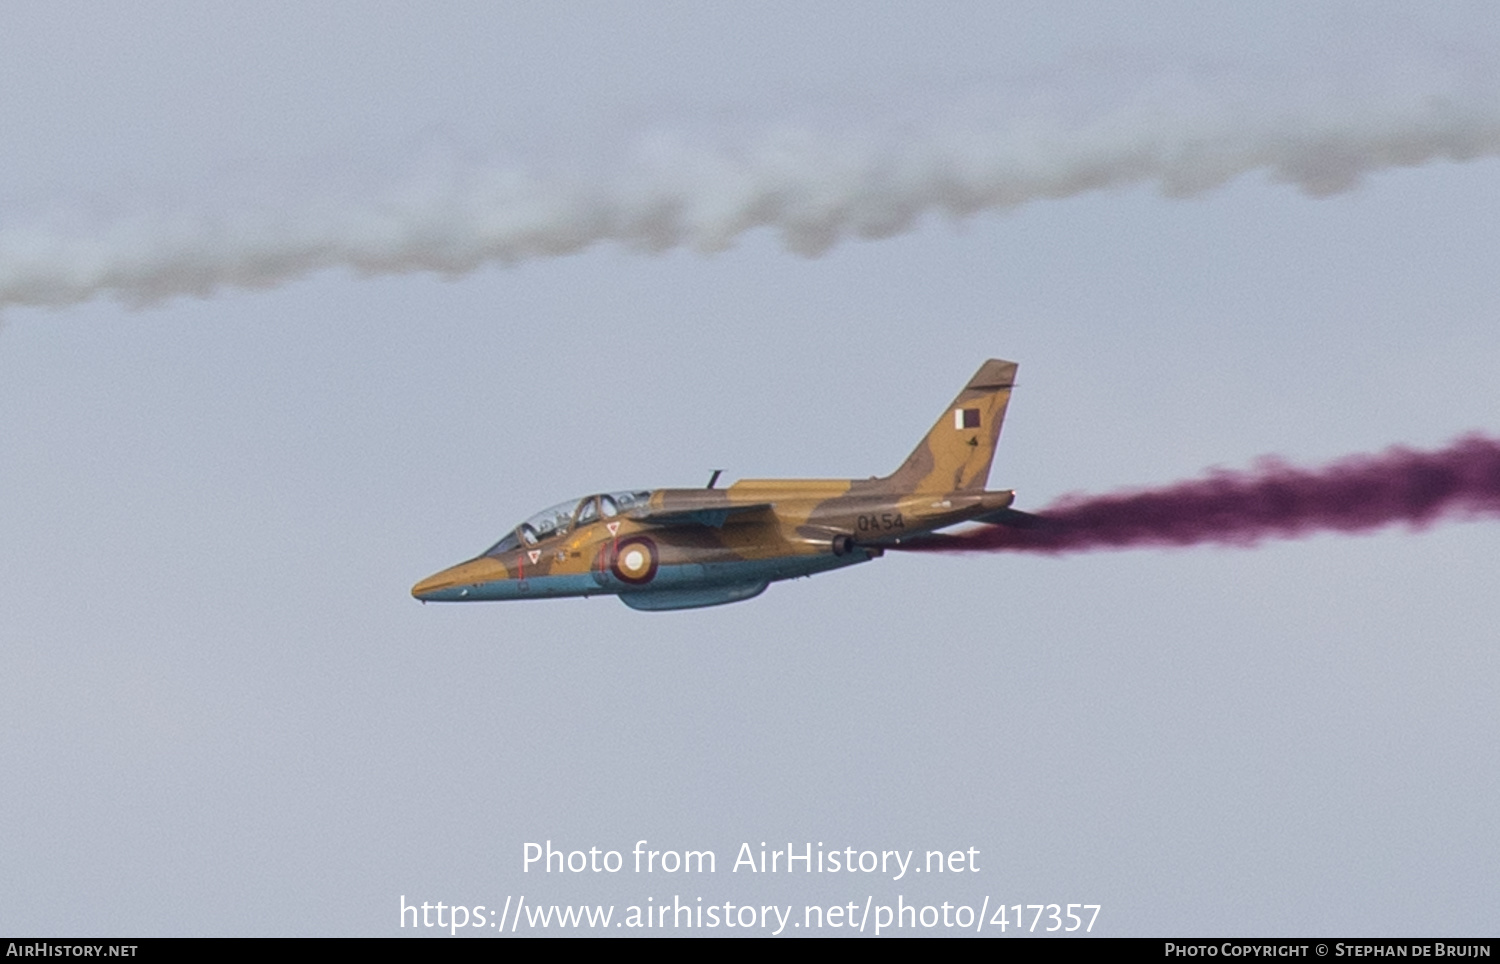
455, 583
425, 589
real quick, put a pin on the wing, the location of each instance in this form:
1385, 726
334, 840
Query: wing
714, 517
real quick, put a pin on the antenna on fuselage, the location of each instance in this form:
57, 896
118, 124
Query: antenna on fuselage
713, 479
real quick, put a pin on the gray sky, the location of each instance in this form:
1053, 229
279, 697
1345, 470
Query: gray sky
222, 713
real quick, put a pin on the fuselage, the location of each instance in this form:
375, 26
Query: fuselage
684, 548
681, 548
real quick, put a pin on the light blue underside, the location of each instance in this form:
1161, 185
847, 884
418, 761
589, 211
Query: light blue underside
673, 587
663, 599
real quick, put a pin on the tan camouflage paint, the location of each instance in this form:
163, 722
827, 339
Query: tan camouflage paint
940, 484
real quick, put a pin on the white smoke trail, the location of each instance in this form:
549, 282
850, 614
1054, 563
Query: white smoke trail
815, 190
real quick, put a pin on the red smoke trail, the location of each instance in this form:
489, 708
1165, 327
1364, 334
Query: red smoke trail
1271, 500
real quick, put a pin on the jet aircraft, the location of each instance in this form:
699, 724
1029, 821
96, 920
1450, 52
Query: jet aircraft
685, 548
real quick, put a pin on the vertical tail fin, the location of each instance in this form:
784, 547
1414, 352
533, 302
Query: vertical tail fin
956, 454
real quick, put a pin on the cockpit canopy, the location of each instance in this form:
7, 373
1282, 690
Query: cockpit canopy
559, 519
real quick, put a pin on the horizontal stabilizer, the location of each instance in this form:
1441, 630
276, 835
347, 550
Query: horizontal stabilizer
1016, 519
